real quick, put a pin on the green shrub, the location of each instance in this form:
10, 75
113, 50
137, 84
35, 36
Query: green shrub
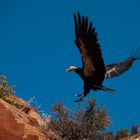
5, 90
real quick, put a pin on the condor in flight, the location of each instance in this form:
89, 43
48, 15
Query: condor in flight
94, 71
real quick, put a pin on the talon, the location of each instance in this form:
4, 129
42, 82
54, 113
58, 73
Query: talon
79, 100
78, 95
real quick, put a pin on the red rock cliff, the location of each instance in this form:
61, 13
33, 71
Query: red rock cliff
18, 124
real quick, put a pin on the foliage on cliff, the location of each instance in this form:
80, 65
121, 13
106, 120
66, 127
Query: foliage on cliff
6, 90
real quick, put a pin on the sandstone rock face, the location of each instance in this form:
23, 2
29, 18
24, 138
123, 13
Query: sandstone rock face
15, 124
135, 137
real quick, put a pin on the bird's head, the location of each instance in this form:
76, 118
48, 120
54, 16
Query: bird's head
71, 68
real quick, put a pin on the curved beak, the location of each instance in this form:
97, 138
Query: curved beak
68, 70
71, 68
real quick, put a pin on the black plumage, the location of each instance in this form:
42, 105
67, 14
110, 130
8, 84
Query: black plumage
93, 71
114, 70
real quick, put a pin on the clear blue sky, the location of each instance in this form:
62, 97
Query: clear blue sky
36, 46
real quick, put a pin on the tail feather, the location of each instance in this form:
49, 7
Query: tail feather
135, 53
104, 88
108, 89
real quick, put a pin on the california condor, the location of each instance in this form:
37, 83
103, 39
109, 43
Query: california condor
94, 71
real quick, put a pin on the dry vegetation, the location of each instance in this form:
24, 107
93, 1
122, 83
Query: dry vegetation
84, 124
66, 124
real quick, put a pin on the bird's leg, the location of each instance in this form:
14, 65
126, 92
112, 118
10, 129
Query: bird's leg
80, 99
79, 95
84, 94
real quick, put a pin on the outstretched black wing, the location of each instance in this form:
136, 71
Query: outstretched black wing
86, 41
117, 69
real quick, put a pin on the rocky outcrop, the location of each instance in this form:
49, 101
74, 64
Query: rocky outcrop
22, 123
135, 137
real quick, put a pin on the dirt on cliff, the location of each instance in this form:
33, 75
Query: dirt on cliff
23, 123
135, 137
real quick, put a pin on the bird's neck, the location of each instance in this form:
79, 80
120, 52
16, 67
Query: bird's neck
79, 72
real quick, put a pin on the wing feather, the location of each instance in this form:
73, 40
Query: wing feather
87, 43
117, 69
114, 70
